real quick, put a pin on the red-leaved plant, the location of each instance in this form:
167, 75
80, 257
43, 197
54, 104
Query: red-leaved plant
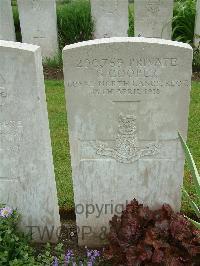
145, 237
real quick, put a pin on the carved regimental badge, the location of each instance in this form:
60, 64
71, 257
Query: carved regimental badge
35, 5
153, 6
126, 148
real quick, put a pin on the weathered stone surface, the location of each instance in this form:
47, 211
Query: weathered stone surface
197, 25
7, 30
110, 18
153, 18
27, 180
38, 23
127, 98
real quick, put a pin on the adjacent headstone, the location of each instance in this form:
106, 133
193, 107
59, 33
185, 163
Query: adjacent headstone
127, 99
38, 23
197, 26
7, 30
110, 18
153, 18
27, 180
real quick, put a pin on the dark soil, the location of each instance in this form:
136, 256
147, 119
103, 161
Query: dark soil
68, 236
196, 76
53, 73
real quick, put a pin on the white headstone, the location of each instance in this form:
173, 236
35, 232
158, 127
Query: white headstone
38, 23
7, 29
153, 18
110, 18
27, 180
127, 99
197, 25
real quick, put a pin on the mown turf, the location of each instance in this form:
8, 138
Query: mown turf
60, 144
193, 142
61, 154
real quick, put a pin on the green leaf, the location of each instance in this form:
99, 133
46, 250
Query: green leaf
192, 203
196, 224
192, 166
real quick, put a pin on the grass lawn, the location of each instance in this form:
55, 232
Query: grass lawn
60, 144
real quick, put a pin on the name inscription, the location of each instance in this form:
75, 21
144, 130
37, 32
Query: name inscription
127, 68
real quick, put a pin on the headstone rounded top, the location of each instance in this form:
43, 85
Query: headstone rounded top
19, 45
153, 18
110, 18
7, 29
26, 166
128, 40
41, 29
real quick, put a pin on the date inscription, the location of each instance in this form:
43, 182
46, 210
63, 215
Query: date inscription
127, 87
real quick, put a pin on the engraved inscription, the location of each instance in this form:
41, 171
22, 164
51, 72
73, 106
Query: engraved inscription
3, 96
126, 148
39, 34
2, 80
127, 87
11, 133
127, 76
153, 6
35, 5
3, 91
119, 62
133, 67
